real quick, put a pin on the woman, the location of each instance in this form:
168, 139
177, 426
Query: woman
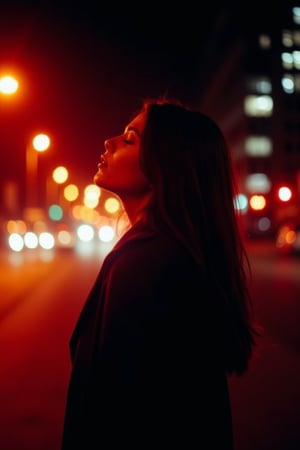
169, 316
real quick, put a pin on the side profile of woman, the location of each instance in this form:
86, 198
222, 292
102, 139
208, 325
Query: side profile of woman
169, 316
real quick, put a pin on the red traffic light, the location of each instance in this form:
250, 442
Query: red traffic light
284, 193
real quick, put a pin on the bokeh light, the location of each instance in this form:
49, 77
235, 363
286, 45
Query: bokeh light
31, 240
60, 174
71, 192
8, 85
16, 242
85, 232
106, 233
46, 240
41, 142
112, 205
55, 212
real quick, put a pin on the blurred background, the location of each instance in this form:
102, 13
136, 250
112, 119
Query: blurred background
71, 75
82, 69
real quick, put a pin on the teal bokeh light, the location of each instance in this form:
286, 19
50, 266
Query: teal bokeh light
55, 212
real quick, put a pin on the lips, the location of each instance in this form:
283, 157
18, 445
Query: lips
103, 162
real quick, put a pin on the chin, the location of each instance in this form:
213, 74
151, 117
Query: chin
98, 181
96, 178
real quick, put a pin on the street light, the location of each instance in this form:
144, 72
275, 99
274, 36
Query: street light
39, 144
8, 85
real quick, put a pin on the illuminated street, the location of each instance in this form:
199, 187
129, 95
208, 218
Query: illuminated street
41, 298
39, 305
72, 74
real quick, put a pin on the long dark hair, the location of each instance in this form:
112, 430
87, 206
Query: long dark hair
186, 159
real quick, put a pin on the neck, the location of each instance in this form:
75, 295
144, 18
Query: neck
134, 207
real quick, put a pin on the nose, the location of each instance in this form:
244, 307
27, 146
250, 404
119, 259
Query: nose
108, 145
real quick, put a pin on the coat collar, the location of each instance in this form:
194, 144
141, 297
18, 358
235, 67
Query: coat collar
138, 231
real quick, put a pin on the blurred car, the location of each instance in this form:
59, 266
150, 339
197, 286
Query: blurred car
288, 239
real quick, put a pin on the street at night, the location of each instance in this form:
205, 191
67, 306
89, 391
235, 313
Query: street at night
80, 71
42, 294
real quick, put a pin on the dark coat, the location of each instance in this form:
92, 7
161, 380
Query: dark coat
147, 370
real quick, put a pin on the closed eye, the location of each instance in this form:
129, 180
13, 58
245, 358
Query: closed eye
131, 136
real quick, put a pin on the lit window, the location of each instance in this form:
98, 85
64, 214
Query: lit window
258, 146
259, 85
296, 35
296, 59
297, 83
287, 83
296, 15
258, 105
264, 41
287, 38
258, 182
287, 60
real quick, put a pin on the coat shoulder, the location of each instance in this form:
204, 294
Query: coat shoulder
153, 249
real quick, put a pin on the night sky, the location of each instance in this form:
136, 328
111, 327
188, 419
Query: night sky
84, 68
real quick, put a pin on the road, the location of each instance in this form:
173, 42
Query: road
41, 297
266, 401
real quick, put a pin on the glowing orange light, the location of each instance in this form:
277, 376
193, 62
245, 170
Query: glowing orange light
257, 202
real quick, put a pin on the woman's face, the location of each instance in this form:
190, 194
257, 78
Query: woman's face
118, 169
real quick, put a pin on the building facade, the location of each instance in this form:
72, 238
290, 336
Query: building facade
269, 162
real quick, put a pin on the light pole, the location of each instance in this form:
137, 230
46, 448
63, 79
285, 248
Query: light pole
39, 144
8, 87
